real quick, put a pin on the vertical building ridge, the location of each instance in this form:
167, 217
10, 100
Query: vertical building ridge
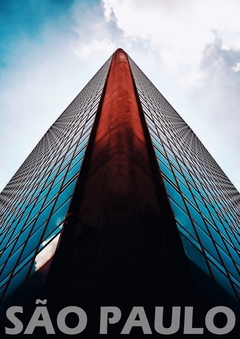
123, 240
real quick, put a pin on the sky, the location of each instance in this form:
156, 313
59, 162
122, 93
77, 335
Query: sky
50, 49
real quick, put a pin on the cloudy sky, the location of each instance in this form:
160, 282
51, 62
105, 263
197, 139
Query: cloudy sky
190, 50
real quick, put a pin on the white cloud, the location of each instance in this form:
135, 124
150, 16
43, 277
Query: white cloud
237, 67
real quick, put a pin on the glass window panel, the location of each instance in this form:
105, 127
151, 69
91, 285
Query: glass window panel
35, 211
220, 227
195, 255
219, 265
188, 236
234, 241
4, 280
149, 122
233, 252
73, 171
196, 216
83, 142
174, 194
2, 289
157, 144
6, 252
66, 161
32, 243
80, 148
60, 176
23, 237
52, 175
23, 262
28, 208
179, 176
204, 210
77, 156
65, 194
53, 192
237, 282
152, 131
158, 153
44, 193
17, 280
228, 262
186, 192
5, 241
173, 161
44, 215
207, 243
222, 280
195, 193
183, 218
216, 236
187, 176
167, 172
57, 218
19, 227
202, 192
11, 262
38, 190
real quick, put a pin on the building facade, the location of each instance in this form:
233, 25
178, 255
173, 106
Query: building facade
120, 191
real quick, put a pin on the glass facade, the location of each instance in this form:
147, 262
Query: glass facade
35, 202
204, 202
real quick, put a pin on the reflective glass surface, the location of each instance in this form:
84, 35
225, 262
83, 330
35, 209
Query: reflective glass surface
35, 202
204, 202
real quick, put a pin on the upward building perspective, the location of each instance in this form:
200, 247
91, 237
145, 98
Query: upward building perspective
120, 205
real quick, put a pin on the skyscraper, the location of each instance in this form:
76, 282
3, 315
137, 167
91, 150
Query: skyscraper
120, 204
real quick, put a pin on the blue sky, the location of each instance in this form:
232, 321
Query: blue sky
49, 49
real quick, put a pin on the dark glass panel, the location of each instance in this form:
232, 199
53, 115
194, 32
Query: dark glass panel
195, 255
188, 236
228, 262
207, 243
213, 260
17, 280
183, 218
233, 252
222, 280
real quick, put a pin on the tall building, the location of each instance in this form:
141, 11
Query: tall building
120, 204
